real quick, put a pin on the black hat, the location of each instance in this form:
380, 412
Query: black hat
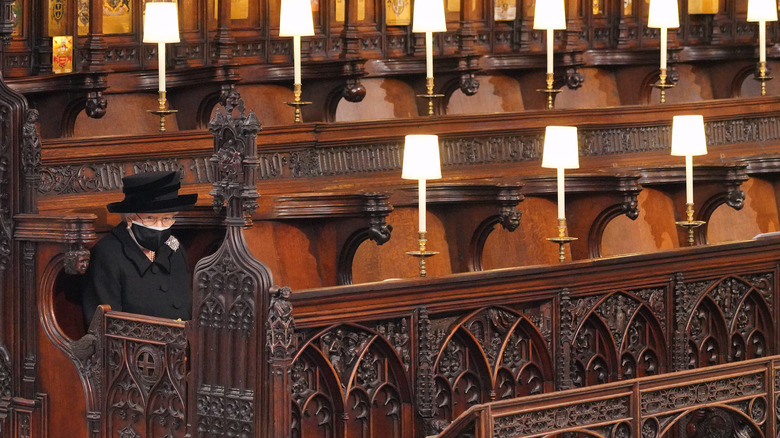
152, 192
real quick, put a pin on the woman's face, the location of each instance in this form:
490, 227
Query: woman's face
157, 220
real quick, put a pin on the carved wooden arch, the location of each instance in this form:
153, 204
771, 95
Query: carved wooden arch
379, 234
720, 335
646, 85
764, 316
205, 108
596, 233
642, 310
460, 331
545, 368
734, 198
585, 368
660, 346
739, 79
315, 356
375, 339
478, 240
447, 89
331, 104
729, 409
70, 114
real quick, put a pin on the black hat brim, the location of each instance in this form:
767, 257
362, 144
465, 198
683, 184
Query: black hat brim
182, 202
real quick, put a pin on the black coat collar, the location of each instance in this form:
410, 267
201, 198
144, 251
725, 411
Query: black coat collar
134, 253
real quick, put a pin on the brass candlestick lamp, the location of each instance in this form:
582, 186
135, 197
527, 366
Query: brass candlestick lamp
428, 17
560, 152
161, 25
663, 15
550, 15
688, 139
421, 162
295, 20
762, 11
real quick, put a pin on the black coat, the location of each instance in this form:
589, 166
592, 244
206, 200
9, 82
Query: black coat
121, 275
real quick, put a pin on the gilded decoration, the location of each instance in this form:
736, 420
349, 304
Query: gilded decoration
117, 16
398, 12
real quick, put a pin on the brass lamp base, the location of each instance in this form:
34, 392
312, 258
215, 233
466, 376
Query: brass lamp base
763, 77
163, 110
562, 239
662, 85
690, 224
422, 254
297, 103
429, 95
550, 91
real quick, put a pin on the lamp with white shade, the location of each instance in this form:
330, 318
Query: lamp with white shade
560, 152
689, 140
663, 15
295, 20
762, 11
421, 162
161, 26
428, 17
550, 15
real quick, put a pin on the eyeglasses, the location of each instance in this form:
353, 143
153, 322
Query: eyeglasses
151, 220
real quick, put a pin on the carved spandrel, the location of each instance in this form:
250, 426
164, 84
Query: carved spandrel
617, 311
396, 332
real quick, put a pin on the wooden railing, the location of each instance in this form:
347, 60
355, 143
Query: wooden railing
736, 399
411, 356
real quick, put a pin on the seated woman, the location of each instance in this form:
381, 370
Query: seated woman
139, 267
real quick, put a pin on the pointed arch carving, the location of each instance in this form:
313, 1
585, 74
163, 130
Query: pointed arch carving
358, 374
619, 335
730, 320
490, 353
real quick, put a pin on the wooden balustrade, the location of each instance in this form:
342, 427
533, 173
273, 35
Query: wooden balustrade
732, 400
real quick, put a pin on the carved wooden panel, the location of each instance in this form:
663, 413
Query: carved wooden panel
732, 319
145, 378
621, 335
491, 353
353, 380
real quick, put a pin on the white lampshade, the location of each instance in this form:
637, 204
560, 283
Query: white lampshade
560, 148
663, 14
161, 22
549, 14
428, 16
421, 157
762, 10
295, 18
688, 136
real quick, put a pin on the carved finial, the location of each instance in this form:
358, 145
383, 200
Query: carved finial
235, 156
